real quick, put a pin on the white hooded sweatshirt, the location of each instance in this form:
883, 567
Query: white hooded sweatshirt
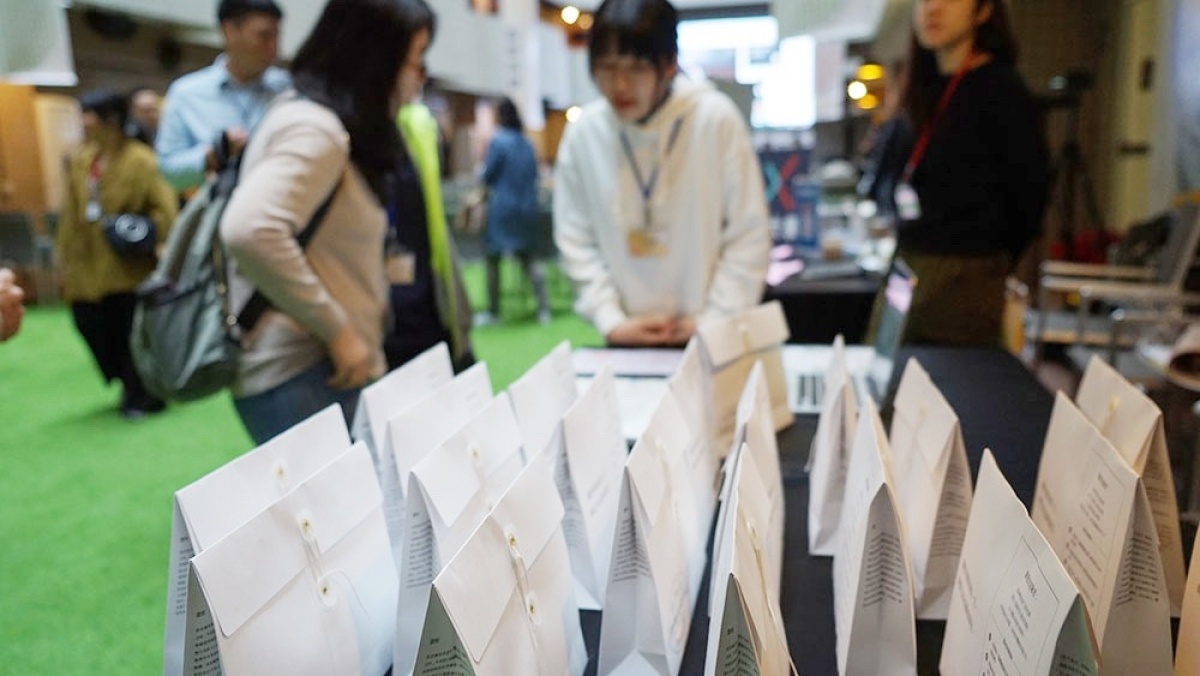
708, 208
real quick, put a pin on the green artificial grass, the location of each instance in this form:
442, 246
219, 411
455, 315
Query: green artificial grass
86, 496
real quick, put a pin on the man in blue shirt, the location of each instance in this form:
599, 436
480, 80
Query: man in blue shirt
208, 114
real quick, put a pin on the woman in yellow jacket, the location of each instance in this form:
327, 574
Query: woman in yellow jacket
110, 175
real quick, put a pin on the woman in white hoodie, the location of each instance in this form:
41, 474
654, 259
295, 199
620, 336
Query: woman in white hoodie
660, 212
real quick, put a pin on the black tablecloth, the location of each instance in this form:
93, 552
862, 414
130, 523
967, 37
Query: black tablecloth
1000, 406
819, 309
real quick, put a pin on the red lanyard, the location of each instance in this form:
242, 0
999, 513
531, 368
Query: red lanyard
922, 144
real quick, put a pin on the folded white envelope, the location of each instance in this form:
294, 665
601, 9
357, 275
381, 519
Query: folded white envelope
450, 493
731, 346
830, 454
504, 604
589, 480
218, 503
691, 385
400, 388
1187, 657
1133, 424
1014, 608
745, 633
541, 396
933, 487
649, 600
754, 430
872, 582
1092, 508
307, 586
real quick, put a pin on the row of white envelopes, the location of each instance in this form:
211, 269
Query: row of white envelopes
461, 531
1087, 585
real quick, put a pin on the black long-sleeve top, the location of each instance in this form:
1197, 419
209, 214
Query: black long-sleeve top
984, 180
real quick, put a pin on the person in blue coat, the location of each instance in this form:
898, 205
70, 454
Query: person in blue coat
510, 173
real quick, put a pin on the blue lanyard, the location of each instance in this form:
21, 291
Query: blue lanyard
646, 187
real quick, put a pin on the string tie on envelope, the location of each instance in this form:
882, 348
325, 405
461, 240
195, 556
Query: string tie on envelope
528, 598
747, 339
756, 543
915, 432
666, 470
1110, 415
476, 456
322, 578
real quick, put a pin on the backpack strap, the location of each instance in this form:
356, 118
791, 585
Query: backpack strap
254, 308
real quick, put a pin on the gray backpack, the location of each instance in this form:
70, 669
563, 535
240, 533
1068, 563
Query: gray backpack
186, 339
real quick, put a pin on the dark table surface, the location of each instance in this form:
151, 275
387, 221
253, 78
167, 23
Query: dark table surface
1000, 406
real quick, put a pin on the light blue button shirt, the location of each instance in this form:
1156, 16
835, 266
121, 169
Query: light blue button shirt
198, 107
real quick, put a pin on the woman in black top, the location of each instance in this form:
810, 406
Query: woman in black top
972, 190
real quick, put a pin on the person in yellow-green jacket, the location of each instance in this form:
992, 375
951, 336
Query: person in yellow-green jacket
428, 301
110, 175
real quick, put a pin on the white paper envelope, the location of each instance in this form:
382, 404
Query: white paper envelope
400, 388
746, 627
1014, 608
1187, 657
218, 503
451, 491
1133, 424
589, 481
649, 599
504, 604
541, 396
933, 487
830, 454
872, 581
1092, 508
692, 386
305, 587
731, 346
670, 435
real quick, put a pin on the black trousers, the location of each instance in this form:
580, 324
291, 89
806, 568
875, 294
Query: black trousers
105, 327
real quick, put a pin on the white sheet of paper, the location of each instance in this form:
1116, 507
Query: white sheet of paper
692, 387
540, 397
400, 388
218, 503
504, 604
1187, 657
648, 599
746, 627
872, 581
451, 491
1014, 608
1093, 510
933, 487
1133, 424
321, 595
830, 454
635, 362
419, 429
731, 346
594, 454
637, 398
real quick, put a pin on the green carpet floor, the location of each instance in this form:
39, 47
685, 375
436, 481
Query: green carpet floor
85, 495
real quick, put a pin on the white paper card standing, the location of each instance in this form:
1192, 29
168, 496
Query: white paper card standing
731, 346
872, 583
1133, 424
420, 428
589, 481
1187, 656
1093, 510
692, 387
1014, 608
504, 604
649, 601
306, 587
745, 633
450, 493
830, 454
541, 396
217, 504
933, 487
400, 388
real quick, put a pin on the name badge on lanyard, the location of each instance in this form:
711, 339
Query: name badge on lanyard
647, 241
908, 203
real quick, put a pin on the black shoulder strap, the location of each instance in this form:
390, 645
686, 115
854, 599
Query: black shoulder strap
258, 303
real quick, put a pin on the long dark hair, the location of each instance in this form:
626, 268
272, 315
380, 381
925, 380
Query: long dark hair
507, 115
921, 83
350, 61
643, 29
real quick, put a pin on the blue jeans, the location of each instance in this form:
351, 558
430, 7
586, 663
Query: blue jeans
269, 413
